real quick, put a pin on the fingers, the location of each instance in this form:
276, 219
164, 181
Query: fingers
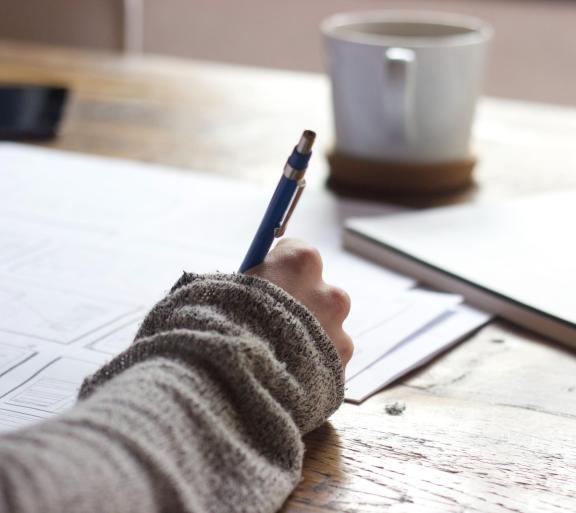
345, 347
337, 302
296, 267
333, 307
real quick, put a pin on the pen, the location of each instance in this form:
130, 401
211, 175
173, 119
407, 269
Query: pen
283, 202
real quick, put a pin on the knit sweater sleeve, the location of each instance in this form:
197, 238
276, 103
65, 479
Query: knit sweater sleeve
203, 413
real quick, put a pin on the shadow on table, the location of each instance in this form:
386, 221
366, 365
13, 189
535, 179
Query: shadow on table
323, 471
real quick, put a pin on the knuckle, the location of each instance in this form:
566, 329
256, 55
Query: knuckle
347, 349
339, 301
305, 258
309, 254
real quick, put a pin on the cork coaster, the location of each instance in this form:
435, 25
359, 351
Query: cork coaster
364, 177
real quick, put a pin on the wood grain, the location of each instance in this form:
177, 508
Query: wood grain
489, 427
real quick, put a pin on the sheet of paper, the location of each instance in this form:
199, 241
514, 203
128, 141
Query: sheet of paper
41, 379
88, 245
12, 355
52, 389
393, 321
415, 351
52, 314
118, 339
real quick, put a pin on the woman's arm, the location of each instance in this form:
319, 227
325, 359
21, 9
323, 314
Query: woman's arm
205, 411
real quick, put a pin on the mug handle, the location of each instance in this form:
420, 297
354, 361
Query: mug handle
400, 79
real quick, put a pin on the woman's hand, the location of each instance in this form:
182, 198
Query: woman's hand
297, 268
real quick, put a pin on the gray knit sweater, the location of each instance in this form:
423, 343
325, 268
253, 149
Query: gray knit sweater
204, 412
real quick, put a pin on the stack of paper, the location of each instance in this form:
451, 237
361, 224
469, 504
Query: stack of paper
87, 245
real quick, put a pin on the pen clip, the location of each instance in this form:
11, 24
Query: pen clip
279, 231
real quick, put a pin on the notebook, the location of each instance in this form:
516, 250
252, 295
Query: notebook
515, 259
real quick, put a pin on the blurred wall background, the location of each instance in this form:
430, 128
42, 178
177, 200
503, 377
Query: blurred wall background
533, 56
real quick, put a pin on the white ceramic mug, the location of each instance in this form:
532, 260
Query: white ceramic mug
405, 84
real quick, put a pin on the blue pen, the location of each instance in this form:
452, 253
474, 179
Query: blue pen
283, 202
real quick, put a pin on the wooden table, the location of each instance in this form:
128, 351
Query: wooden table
489, 427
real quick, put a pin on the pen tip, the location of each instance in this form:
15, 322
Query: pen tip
306, 141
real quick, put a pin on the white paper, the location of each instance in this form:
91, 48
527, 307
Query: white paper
52, 389
12, 355
417, 350
117, 340
53, 314
393, 321
43, 383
